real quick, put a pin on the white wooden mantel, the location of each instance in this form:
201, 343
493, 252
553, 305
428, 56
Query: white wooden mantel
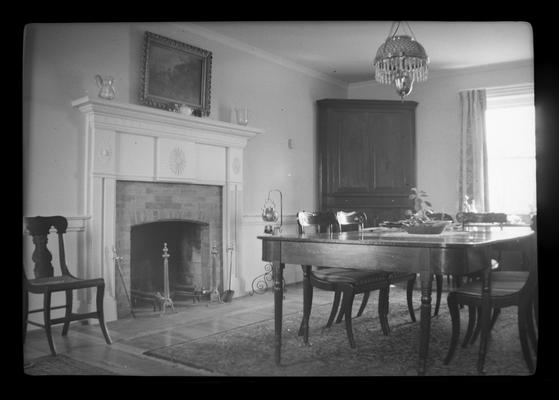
133, 142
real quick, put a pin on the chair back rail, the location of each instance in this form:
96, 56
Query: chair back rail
319, 221
39, 229
350, 220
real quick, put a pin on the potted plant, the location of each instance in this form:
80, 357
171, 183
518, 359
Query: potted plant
421, 222
421, 206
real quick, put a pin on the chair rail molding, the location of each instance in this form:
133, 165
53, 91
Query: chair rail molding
134, 142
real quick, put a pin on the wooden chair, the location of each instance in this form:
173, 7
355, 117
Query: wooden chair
357, 220
348, 282
47, 283
507, 288
500, 272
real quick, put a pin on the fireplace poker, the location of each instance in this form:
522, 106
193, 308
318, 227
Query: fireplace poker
117, 263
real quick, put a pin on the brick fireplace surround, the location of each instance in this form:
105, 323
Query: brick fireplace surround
144, 165
141, 203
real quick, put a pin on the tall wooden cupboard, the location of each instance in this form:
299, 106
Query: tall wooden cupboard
366, 157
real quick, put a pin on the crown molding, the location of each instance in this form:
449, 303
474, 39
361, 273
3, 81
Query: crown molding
443, 73
237, 44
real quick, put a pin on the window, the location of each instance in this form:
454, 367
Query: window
511, 154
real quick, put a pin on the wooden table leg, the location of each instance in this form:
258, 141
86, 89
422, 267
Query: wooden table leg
307, 303
426, 279
277, 271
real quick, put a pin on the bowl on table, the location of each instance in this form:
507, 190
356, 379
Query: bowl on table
428, 227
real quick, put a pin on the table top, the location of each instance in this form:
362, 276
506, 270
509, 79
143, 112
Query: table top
474, 236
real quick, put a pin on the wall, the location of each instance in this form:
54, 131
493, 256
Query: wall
60, 62
438, 121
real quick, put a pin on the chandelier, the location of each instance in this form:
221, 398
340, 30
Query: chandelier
401, 60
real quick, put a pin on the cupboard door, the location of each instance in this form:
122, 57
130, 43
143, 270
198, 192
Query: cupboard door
393, 152
366, 152
350, 161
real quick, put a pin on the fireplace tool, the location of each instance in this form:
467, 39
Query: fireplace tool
215, 296
117, 264
166, 298
228, 294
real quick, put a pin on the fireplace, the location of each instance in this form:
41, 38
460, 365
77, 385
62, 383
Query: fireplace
143, 166
187, 217
185, 247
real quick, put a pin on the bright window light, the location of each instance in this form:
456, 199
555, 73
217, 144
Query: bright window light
510, 130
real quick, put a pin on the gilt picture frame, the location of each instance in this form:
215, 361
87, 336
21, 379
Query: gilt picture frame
175, 74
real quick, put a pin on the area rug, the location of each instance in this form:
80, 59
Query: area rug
61, 365
249, 350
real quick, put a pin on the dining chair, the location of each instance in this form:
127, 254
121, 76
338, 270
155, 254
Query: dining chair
342, 281
507, 288
357, 220
500, 271
46, 282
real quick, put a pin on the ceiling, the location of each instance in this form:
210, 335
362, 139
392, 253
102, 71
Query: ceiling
344, 50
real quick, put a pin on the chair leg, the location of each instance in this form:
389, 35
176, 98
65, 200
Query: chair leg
383, 301
484, 321
535, 305
496, 313
531, 327
335, 308
522, 333
478, 326
439, 280
101, 314
25, 312
347, 303
341, 313
363, 303
69, 303
46, 316
409, 295
455, 317
471, 323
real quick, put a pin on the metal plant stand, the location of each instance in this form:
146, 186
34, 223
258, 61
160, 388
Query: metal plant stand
260, 283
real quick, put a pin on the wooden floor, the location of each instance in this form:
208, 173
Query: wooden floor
150, 330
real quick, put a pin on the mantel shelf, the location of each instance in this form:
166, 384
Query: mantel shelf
107, 108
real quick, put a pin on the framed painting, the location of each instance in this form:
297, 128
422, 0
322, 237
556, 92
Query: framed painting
175, 74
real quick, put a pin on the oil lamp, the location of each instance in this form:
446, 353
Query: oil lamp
270, 214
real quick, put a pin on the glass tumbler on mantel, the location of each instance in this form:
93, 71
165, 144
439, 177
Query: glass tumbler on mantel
242, 115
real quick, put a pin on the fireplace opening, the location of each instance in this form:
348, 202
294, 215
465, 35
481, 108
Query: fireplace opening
183, 215
189, 264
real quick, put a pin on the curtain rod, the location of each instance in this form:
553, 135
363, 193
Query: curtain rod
522, 88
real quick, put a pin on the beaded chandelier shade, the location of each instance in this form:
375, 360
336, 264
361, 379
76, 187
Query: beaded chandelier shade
401, 60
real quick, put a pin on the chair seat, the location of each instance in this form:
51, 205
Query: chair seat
499, 287
510, 275
61, 282
401, 276
353, 276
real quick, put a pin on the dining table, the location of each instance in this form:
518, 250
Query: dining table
455, 251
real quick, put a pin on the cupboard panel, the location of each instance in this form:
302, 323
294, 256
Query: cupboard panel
366, 153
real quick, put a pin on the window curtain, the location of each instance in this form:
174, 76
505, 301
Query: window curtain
472, 180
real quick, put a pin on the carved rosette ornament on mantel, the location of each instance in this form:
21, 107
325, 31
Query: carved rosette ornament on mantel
177, 161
